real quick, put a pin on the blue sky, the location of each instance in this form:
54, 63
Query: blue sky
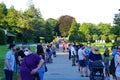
94, 11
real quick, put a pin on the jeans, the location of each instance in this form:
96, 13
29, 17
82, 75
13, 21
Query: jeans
8, 75
41, 72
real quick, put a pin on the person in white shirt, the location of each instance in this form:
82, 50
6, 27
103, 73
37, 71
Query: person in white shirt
73, 54
82, 60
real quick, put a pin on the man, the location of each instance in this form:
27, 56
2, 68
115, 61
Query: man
73, 54
9, 65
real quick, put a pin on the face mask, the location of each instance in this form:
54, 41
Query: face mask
26, 53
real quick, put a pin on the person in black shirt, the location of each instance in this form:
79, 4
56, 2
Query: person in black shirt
106, 61
19, 57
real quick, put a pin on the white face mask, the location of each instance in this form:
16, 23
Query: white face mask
26, 53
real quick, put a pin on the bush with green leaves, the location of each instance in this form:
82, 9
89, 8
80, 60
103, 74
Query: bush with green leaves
2, 37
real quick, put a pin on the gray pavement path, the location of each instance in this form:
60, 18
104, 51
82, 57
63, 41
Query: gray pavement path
61, 69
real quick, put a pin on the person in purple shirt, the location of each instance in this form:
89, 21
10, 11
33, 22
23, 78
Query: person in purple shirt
30, 65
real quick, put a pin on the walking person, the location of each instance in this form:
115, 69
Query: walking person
30, 65
106, 62
9, 65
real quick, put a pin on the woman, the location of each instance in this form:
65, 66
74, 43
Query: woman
94, 55
20, 56
117, 64
41, 53
30, 65
106, 62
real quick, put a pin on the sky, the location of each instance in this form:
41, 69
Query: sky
93, 11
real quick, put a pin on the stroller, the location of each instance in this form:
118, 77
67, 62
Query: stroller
97, 71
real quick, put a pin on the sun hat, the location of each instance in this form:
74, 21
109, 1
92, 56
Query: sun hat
95, 50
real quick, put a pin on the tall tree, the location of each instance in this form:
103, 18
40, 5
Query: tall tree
116, 28
12, 18
84, 28
3, 13
104, 28
52, 23
95, 37
65, 24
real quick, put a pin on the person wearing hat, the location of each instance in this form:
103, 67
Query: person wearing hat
9, 65
94, 55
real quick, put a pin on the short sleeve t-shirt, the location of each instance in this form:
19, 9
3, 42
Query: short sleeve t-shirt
81, 54
11, 59
32, 61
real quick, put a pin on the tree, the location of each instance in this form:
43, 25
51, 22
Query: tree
31, 23
52, 23
48, 33
112, 37
116, 28
103, 37
3, 13
12, 18
65, 24
95, 37
84, 28
73, 32
104, 28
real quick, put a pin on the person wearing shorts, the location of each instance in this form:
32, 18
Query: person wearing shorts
82, 61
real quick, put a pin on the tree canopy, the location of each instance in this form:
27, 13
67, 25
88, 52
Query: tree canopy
29, 26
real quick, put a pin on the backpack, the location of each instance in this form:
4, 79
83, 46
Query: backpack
112, 66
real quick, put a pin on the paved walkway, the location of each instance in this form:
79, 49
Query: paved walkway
61, 69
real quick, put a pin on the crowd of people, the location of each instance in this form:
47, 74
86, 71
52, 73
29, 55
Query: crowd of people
27, 64
32, 65
84, 56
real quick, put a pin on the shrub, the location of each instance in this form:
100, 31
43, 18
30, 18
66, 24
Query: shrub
2, 37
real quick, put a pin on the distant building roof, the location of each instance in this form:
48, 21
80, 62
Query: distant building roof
7, 33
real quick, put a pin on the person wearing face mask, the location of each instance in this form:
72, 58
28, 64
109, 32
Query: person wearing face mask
30, 65
9, 65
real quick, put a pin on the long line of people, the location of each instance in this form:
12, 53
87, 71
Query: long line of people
28, 63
